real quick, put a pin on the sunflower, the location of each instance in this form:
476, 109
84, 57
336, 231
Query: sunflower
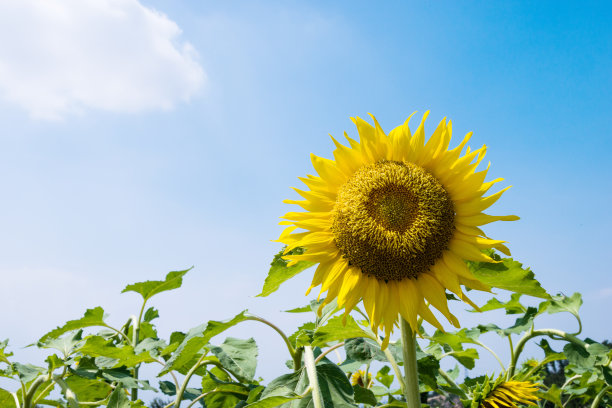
509, 393
358, 378
391, 221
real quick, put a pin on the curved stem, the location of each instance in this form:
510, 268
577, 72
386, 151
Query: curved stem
511, 344
40, 380
311, 371
484, 346
68, 393
394, 365
329, 350
181, 391
43, 392
297, 357
125, 337
411, 376
17, 403
534, 333
449, 380
599, 396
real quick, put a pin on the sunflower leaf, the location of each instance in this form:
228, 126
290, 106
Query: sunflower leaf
92, 317
508, 274
280, 272
197, 338
336, 330
148, 289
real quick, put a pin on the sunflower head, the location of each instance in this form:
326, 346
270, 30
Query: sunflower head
359, 378
503, 394
392, 219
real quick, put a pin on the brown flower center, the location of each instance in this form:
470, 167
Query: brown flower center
393, 220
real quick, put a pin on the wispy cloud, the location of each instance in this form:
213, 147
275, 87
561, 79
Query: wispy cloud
59, 57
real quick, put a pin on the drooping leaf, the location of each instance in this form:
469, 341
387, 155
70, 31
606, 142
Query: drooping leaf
124, 377
466, 357
148, 289
428, 371
93, 317
197, 338
303, 336
280, 272
238, 356
222, 393
509, 275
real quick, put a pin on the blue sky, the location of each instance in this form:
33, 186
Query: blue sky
147, 137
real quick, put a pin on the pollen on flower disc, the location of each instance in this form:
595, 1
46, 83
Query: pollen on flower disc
393, 220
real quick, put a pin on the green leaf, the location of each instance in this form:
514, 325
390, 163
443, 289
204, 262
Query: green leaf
97, 346
522, 323
124, 377
562, 303
92, 317
197, 338
509, 275
169, 388
513, 306
222, 393
466, 357
118, 399
148, 289
553, 395
27, 372
280, 272
428, 370
238, 356
336, 330
65, 345
336, 390
384, 377
88, 390
274, 397
303, 336
579, 356
6, 399
360, 349
364, 396
151, 314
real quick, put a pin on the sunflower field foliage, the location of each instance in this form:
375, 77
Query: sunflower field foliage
392, 232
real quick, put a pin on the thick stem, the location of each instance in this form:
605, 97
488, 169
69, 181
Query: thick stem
599, 396
543, 332
411, 376
311, 371
40, 380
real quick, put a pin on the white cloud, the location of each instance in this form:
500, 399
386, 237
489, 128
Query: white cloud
63, 56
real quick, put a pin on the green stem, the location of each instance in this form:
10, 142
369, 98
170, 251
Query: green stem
391, 360
40, 380
484, 346
17, 403
296, 355
599, 396
411, 376
311, 371
535, 333
181, 391
68, 393
135, 336
449, 380
329, 350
